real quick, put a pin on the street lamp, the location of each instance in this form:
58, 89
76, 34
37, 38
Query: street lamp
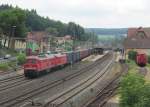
13, 30
74, 39
11, 35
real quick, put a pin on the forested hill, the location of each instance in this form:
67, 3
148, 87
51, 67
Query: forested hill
28, 20
111, 31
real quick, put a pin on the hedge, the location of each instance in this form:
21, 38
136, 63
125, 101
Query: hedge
21, 58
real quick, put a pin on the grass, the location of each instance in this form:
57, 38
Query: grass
8, 66
131, 64
4, 67
148, 65
12, 65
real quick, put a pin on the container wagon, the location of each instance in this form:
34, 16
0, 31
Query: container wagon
141, 59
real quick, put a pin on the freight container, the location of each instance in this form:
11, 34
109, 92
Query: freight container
69, 57
78, 55
74, 57
141, 59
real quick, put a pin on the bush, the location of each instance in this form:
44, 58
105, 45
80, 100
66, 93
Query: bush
4, 67
21, 58
149, 59
132, 54
134, 91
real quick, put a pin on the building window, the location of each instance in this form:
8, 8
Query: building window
141, 34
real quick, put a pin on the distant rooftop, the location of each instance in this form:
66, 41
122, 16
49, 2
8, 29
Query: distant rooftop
138, 38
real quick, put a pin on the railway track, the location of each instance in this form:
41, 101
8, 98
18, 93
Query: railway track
108, 91
14, 81
4, 85
105, 93
12, 101
62, 98
11, 78
4, 73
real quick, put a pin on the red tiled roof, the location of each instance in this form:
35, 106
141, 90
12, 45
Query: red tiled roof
135, 41
133, 31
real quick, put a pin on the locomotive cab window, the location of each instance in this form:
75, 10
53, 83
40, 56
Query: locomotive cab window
31, 61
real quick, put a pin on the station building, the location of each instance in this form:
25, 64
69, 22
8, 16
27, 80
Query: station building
138, 39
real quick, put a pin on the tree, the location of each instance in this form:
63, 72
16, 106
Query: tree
134, 91
75, 30
61, 28
14, 17
29, 20
52, 31
131, 86
149, 59
132, 54
5, 7
10, 18
21, 58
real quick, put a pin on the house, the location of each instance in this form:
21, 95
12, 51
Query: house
64, 39
138, 39
38, 42
64, 43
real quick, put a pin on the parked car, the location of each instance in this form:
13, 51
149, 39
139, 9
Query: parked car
1, 58
7, 56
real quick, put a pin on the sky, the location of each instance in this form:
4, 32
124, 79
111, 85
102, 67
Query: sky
91, 13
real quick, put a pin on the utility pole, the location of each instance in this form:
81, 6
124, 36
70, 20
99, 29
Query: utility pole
73, 46
92, 39
10, 42
74, 38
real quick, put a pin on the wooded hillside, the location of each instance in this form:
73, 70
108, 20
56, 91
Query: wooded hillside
28, 20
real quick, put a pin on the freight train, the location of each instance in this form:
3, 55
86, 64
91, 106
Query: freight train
141, 59
37, 65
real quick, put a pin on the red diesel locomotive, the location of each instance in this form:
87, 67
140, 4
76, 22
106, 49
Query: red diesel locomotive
36, 65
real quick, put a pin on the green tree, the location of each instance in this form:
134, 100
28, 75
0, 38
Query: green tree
52, 31
75, 30
134, 91
5, 7
149, 59
14, 17
132, 54
29, 20
21, 58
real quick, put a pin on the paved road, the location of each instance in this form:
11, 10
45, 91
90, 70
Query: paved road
7, 60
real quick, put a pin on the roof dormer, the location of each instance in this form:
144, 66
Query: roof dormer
140, 33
